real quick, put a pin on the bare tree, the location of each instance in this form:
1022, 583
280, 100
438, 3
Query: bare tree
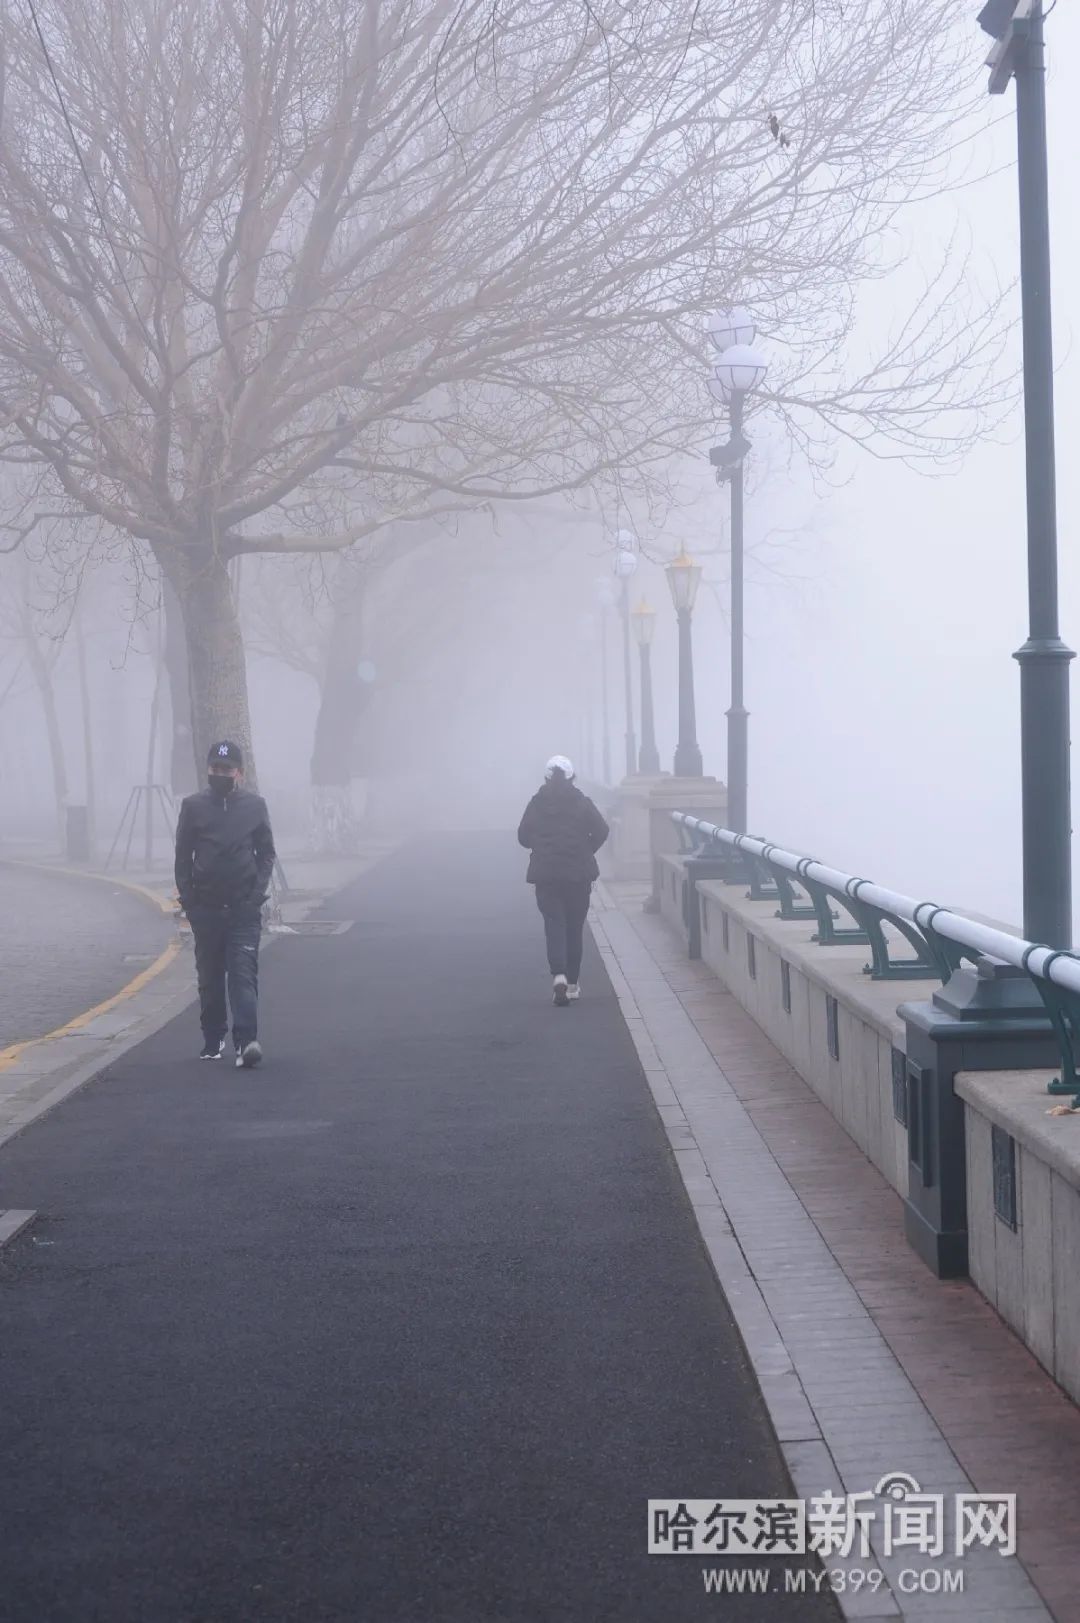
368, 624
275, 272
310, 617
37, 634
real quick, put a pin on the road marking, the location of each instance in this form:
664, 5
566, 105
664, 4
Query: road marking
12, 1223
163, 904
8, 1056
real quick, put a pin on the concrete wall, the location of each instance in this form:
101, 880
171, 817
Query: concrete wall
1031, 1273
857, 1085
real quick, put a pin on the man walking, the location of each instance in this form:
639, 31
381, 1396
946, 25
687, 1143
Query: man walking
563, 831
224, 860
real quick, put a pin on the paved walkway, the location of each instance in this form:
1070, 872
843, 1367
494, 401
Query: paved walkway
870, 1366
407, 1326
67, 943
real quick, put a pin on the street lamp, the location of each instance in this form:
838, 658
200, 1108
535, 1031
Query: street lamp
1017, 26
605, 597
625, 568
728, 327
739, 370
683, 577
587, 634
644, 621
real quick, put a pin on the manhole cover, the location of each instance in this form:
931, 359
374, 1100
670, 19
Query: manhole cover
314, 927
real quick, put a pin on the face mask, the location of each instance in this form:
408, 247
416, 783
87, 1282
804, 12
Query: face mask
221, 783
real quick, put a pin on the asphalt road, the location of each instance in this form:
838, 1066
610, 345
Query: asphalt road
66, 945
404, 1328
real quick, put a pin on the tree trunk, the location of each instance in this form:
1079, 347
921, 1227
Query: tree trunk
215, 655
88, 734
336, 825
150, 794
185, 770
42, 675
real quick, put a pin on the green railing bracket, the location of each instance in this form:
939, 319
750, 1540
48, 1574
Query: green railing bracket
1001, 960
763, 886
883, 966
1063, 1009
792, 904
828, 934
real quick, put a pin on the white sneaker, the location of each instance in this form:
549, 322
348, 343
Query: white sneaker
573, 992
248, 1057
558, 991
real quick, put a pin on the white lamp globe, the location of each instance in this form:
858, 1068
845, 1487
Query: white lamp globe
740, 369
728, 327
625, 563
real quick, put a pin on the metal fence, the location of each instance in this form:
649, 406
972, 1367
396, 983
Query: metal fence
937, 940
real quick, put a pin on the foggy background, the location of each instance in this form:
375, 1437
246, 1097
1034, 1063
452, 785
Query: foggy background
883, 607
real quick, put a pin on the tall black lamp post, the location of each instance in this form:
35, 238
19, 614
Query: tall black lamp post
644, 620
683, 578
987, 1016
1017, 26
739, 370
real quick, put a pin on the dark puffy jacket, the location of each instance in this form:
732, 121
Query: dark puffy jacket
563, 830
224, 849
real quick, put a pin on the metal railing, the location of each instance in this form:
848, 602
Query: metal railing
939, 938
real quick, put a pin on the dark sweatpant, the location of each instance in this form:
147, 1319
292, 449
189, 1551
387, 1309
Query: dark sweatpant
564, 904
227, 962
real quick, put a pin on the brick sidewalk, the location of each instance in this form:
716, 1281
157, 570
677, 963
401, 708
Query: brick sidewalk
1006, 1423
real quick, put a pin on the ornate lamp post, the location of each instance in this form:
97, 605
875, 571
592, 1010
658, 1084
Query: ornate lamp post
683, 578
738, 372
644, 622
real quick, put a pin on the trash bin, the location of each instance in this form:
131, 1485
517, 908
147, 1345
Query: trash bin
78, 834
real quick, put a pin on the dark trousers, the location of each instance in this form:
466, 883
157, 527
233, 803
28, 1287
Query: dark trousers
564, 904
227, 964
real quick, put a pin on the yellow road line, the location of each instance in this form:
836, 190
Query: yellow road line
8, 1056
164, 904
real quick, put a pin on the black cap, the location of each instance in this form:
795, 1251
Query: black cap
226, 754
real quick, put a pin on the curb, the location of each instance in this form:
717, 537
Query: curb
9, 1055
51, 1075
803, 1414
154, 997
13, 1222
14, 1051
161, 904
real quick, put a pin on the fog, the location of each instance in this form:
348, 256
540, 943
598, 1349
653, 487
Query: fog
883, 607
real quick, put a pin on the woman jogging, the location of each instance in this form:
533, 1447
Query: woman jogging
563, 831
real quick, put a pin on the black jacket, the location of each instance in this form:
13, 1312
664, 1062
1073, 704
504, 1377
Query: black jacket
224, 849
563, 830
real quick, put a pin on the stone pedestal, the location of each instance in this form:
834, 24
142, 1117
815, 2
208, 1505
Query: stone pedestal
641, 821
628, 848
701, 797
